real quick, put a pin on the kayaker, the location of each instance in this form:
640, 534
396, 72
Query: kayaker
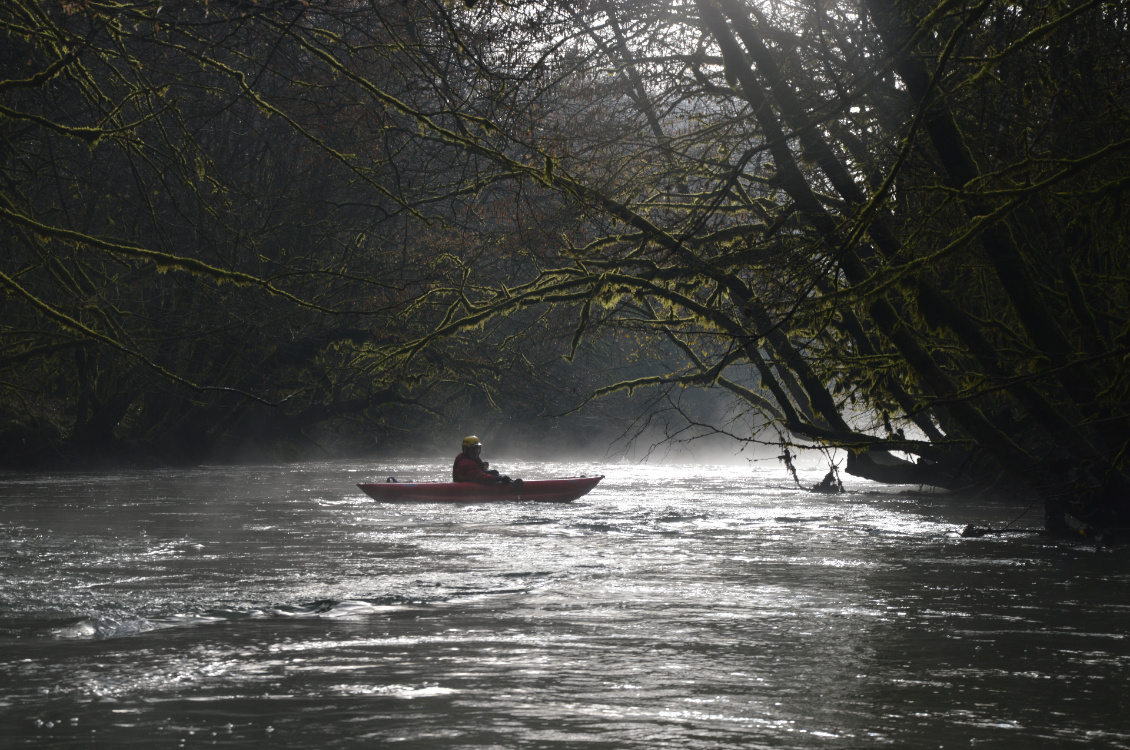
470, 468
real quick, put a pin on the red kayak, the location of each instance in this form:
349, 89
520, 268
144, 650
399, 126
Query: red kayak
535, 490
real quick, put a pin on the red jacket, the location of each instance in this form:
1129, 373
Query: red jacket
467, 469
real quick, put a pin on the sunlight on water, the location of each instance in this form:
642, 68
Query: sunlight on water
677, 606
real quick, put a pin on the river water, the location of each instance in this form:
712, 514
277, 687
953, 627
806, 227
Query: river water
673, 607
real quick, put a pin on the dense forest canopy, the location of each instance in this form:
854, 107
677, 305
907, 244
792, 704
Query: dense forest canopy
215, 215
895, 228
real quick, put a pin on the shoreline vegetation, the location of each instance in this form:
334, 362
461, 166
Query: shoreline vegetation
896, 231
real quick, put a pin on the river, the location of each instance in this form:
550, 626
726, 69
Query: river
675, 606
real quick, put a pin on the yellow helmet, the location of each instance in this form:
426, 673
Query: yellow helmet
469, 441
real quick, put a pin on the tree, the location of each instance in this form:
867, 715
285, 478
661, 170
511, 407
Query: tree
893, 228
903, 219
211, 212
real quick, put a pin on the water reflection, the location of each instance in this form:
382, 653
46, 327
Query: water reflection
709, 607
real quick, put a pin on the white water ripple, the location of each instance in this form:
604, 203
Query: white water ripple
674, 606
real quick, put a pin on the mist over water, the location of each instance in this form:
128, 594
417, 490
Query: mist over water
674, 606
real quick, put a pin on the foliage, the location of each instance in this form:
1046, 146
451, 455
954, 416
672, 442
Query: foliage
893, 228
207, 223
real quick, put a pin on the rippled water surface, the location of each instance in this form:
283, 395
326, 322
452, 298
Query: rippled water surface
674, 606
